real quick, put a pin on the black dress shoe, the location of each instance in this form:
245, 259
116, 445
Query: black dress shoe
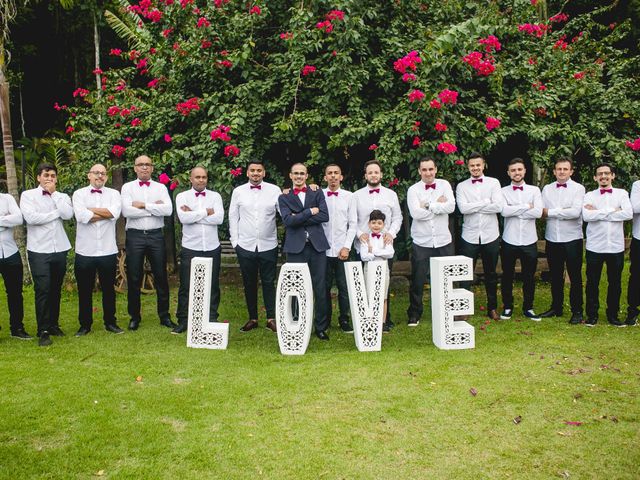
550, 313
44, 340
134, 324
576, 319
82, 331
616, 323
632, 319
56, 331
180, 328
322, 335
168, 323
21, 334
113, 328
250, 325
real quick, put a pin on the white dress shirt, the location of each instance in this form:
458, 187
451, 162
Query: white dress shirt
200, 230
386, 201
430, 225
252, 217
152, 215
10, 217
479, 202
379, 251
564, 211
519, 218
605, 227
341, 228
635, 205
44, 214
96, 239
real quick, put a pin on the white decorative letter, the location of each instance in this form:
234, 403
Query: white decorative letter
366, 299
446, 302
294, 281
200, 332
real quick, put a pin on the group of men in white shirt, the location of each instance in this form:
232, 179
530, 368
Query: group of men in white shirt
253, 234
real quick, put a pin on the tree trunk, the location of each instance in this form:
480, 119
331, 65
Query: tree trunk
96, 48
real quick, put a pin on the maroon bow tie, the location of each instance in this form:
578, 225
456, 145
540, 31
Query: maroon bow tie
44, 192
296, 191
200, 194
374, 190
606, 190
96, 190
144, 184
561, 185
518, 187
375, 235
427, 187
259, 187
476, 180
329, 193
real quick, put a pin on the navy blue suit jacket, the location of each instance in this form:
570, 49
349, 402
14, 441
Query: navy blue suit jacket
298, 221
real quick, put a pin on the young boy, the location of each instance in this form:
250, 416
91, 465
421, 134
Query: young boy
373, 248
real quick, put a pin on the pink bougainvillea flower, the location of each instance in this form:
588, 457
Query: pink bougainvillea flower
221, 133
166, 32
447, 148
459, 162
492, 123
185, 108
231, 151
174, 185
69, 130
118, 150
373, 146
635, 145
167, 138
326, 26
408, 77
128, 139
416, 126
136, 122
113, 110
539, 86
286, 36
393, 183
307, 70
203, 23
219, 3
335, 15
441, 127
153, 83
164, 178
448, 96
532, 61
115, 51
80, 92
236, 172
435, 104
416, 141
560, 17
560, 44
409, 61
97, 71
133, 54
536, 29
579, 75
255, 10
416, 95
205, 44
491, 44
225, 63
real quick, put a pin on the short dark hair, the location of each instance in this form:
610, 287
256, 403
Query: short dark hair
254, 161
427, 159
377, 215
332, 165
515, 160
297, 163
372, 162
604, 164
564, 160
45, 167
475, 155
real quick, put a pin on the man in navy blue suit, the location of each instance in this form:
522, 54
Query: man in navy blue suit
303, 212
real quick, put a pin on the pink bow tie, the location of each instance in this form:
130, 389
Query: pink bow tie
561, 185
605, 190
375, 235
144, 184
329, 193
259, 187
96, 190
476, 180
296, 191
374, 190
200, 194
427, 187
518, 187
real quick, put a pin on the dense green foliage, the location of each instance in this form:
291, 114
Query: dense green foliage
563, 85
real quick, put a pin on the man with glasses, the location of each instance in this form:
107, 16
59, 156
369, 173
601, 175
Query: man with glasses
97, 209
605, 209
145, 203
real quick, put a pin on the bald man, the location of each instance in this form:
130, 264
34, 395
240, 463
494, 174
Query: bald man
145, 203
200, 211
96, 209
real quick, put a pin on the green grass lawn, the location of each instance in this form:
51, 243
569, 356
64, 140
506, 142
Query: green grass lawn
142, 405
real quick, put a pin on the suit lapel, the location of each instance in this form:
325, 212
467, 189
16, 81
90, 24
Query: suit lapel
296, 201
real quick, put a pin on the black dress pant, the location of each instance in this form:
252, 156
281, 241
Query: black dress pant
265, 263
615, 264
85, 270
11, 271
47, 270
335, 270
186, 255
489, 253
317, 263
528, 255
420, 270
559, 255
633, 291
150, 244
